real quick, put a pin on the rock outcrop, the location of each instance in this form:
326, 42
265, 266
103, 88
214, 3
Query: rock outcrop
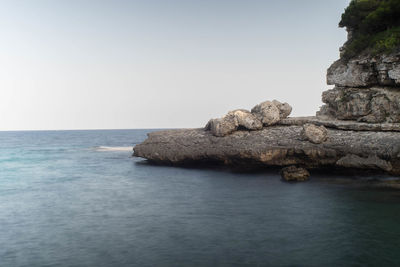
367, 89
373, 105
358, 128
366, 71
279, 145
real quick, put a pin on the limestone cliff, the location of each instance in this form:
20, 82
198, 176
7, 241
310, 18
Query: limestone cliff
366, 78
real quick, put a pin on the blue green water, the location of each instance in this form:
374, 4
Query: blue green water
68, 200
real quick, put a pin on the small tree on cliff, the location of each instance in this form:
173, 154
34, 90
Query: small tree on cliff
373, 24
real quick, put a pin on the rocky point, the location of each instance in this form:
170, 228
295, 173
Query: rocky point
358, 128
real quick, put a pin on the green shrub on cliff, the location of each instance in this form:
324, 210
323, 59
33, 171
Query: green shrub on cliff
374, 24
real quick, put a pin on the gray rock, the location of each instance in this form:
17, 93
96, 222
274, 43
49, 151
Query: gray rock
246, 119
351, 74
294, 174
313, 133
267, 112
284, 109
232, 121
271, 146
222, 126
366, 70
372, 105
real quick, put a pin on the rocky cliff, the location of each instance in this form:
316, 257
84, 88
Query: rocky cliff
367, 89
366, 78
265, 136
357, 128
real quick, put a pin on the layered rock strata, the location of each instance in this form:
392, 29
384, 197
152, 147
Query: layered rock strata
365, 70
367, 89
275, 146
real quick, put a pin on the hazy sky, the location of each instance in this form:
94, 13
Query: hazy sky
162, 63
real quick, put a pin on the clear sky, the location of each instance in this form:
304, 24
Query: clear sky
160, 63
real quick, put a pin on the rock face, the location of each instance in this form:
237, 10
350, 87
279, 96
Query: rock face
274, 146
314, 134
348, 125
294, 174
366, 71
373, 105
367, 88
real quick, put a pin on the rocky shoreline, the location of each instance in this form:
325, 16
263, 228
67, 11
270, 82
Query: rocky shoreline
280, 145
357, 128
266, 137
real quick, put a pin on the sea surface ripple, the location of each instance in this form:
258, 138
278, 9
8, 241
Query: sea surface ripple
78, 198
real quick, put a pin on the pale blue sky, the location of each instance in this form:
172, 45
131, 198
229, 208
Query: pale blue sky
154, 64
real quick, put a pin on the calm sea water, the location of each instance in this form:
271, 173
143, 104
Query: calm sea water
67, 199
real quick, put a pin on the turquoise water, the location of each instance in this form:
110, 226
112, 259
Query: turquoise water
67, 199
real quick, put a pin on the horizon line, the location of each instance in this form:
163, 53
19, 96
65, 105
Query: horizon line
97, 129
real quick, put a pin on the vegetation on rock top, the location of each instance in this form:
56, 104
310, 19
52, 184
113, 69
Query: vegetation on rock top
374, 25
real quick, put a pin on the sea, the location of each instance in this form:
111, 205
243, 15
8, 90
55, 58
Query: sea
79, 198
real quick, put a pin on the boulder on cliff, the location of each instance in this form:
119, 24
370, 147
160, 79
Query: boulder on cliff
270, 112
222, 126
232, 121
246, 119
267, 113
313, 133
284, 109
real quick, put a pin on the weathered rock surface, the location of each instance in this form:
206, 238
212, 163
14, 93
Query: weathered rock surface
222, 126
284, 109
267, 112
347, 125
373, 105
294, 174
365, 71
272, 146
246, 119
313, 133
232, 121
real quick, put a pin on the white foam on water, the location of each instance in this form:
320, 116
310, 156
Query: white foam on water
114, 148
